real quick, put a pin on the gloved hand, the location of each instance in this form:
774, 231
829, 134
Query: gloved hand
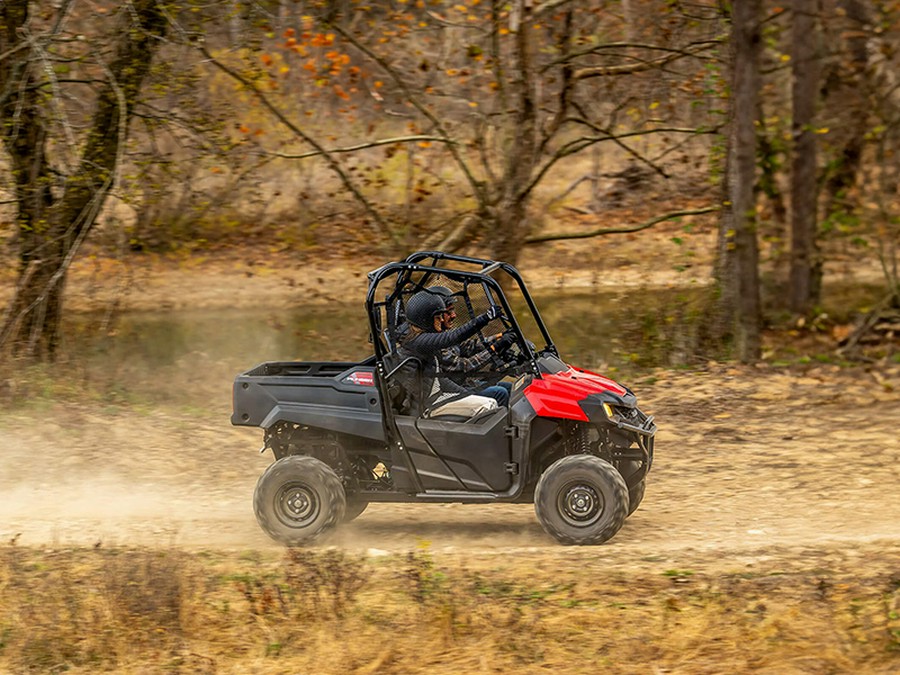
506, 341
494, 312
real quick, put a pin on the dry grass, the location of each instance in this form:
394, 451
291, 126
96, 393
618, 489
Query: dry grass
148, 611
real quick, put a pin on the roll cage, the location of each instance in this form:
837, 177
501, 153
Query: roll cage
420, 270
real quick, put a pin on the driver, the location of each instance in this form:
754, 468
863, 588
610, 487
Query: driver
463, 361
426, 339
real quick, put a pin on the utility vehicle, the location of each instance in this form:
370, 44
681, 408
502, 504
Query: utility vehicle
344, 435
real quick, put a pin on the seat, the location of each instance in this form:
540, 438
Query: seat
463, 409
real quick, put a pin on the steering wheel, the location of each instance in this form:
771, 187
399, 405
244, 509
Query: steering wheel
515, 356
497, 359
510, 357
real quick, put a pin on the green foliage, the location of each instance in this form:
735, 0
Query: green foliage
678, 573
772, 151
426, 582
841, 223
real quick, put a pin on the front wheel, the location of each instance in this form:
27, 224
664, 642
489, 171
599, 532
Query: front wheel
631, 469
355, 507
581, 499
298, 499
636, 495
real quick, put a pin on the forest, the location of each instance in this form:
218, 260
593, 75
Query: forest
147, 127
703, 197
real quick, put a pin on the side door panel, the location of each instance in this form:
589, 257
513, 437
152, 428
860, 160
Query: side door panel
475, 452
433, 471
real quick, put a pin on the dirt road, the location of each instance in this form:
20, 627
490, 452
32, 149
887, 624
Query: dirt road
751, 464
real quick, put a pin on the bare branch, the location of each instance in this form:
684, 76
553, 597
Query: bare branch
642, 66
565, 193
480, 140
87, 215
692, 49
578, 144
618, 141
332, 162
70, 148
361, 146
458, 236
541, 239
6, 322
477, 186
565, 87
123, 126
61, 16
17, 48
547, 7
496, 52
454, 24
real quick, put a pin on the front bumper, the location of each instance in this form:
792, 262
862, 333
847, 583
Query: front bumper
627, 426
644, 427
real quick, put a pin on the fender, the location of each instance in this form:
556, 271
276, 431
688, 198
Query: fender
351, 422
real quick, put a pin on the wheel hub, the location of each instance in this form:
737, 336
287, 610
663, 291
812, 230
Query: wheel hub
297, 505
580, 504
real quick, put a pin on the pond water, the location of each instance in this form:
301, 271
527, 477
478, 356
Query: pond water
591, 330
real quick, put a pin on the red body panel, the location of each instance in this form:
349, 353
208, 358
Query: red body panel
558, 395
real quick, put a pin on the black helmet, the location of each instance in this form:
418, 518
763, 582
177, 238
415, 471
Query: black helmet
445, 293
423, 307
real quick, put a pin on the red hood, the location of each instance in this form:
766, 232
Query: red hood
557, 395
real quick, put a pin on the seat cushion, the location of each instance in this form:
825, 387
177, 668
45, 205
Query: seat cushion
465, 407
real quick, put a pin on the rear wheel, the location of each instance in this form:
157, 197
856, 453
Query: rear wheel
298, 499
581, 499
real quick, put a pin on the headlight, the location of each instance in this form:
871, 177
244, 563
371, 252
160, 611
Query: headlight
608, 409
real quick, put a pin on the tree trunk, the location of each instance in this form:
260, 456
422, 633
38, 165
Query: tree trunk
25, 139
806, 265
858, 89
745, 282
716, 335
51, 225
845, 99
510, 220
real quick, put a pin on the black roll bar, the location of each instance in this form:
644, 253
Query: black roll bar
488, 267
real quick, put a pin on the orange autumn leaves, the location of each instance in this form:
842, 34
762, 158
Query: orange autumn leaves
324, 67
